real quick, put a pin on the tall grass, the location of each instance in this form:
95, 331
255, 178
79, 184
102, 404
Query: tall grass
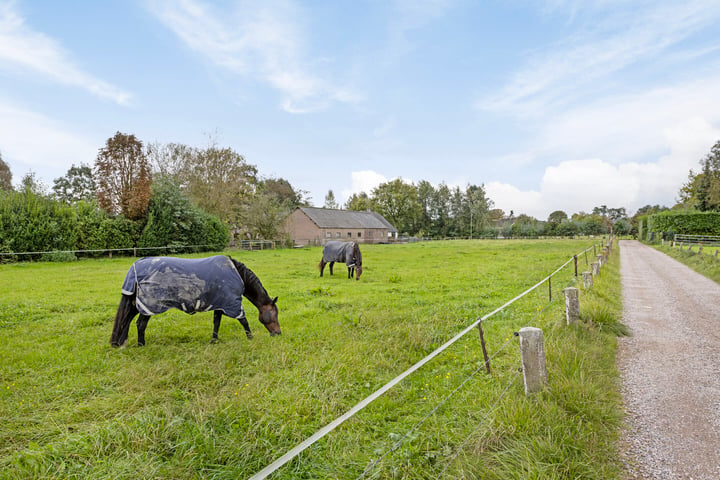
183, 407
705, 263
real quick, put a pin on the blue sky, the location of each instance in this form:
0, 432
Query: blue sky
552, 105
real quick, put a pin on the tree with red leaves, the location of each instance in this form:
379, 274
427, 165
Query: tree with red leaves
122, 176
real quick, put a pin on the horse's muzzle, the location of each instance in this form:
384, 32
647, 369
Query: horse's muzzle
273, 334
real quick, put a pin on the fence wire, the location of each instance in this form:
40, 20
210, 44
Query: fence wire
399, 442
274, 466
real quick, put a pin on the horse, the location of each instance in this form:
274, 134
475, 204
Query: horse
154, 285
345, 252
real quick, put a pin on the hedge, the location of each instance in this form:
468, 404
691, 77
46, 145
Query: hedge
685, 223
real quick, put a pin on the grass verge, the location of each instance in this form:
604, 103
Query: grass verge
706, 263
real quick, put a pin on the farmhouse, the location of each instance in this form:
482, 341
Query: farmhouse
315, 226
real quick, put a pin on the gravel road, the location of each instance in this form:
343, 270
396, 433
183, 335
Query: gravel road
669, 367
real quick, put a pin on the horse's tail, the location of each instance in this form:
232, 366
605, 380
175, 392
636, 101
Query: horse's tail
125, 313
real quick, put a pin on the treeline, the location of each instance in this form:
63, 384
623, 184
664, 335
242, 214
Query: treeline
142, 197
440, 212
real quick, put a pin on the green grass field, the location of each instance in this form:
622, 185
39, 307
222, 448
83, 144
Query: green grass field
183, 407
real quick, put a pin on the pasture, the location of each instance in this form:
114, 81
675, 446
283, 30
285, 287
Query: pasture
183, 407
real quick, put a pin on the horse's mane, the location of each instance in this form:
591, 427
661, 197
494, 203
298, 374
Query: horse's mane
357, 254
254, 290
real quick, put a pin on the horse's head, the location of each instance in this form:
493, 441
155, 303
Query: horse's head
269, 317
358, 260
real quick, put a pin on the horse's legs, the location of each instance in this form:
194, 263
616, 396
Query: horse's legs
142, 322
125, 313
322, 266
217, 316
246, 326
331, 267
351, 272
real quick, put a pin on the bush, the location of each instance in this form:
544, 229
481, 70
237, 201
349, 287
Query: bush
173, 220
30, 222
686, 223
97, 230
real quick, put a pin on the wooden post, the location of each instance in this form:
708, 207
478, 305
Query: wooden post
572, 305
587, 280
532, 354
575, 259
484, 350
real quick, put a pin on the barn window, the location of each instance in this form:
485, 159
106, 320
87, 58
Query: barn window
328, 235
359, 234
338, 235
349, 234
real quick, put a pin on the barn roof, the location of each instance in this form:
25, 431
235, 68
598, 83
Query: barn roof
330, 218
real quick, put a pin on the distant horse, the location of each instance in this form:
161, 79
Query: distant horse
154, 285
345, 252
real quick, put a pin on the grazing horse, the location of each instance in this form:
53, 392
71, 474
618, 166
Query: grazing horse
345, 252
154, 285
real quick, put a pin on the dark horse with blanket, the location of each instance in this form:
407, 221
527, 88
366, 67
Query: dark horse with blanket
345, 252
154, 285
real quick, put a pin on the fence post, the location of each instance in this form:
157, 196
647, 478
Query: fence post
484, 350
575, 259
596, 268
532, 354
587, 280
572, 305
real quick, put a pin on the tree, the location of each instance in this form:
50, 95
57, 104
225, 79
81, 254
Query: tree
283, 192
397, 201
220, 181
555, 219
330, 200
359, 202
122, 175
76, 185
702, 190
30, 184
174, 220
5, 175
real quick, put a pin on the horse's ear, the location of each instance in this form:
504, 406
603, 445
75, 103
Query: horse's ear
274, 300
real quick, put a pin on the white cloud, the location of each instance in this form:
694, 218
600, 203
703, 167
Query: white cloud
25, 50
581, 185
33, 142
363, 181
263, 41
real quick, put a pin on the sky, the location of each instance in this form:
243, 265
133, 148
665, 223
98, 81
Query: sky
550, 104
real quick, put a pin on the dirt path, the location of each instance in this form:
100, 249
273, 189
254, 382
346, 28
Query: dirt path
670, 367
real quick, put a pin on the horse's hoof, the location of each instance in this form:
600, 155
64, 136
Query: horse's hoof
215, 340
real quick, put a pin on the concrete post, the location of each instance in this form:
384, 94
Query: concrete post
532, 354
572, 305
587, 280
596, 268
600, 260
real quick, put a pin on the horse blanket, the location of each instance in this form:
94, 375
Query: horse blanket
190, 285
335, 251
